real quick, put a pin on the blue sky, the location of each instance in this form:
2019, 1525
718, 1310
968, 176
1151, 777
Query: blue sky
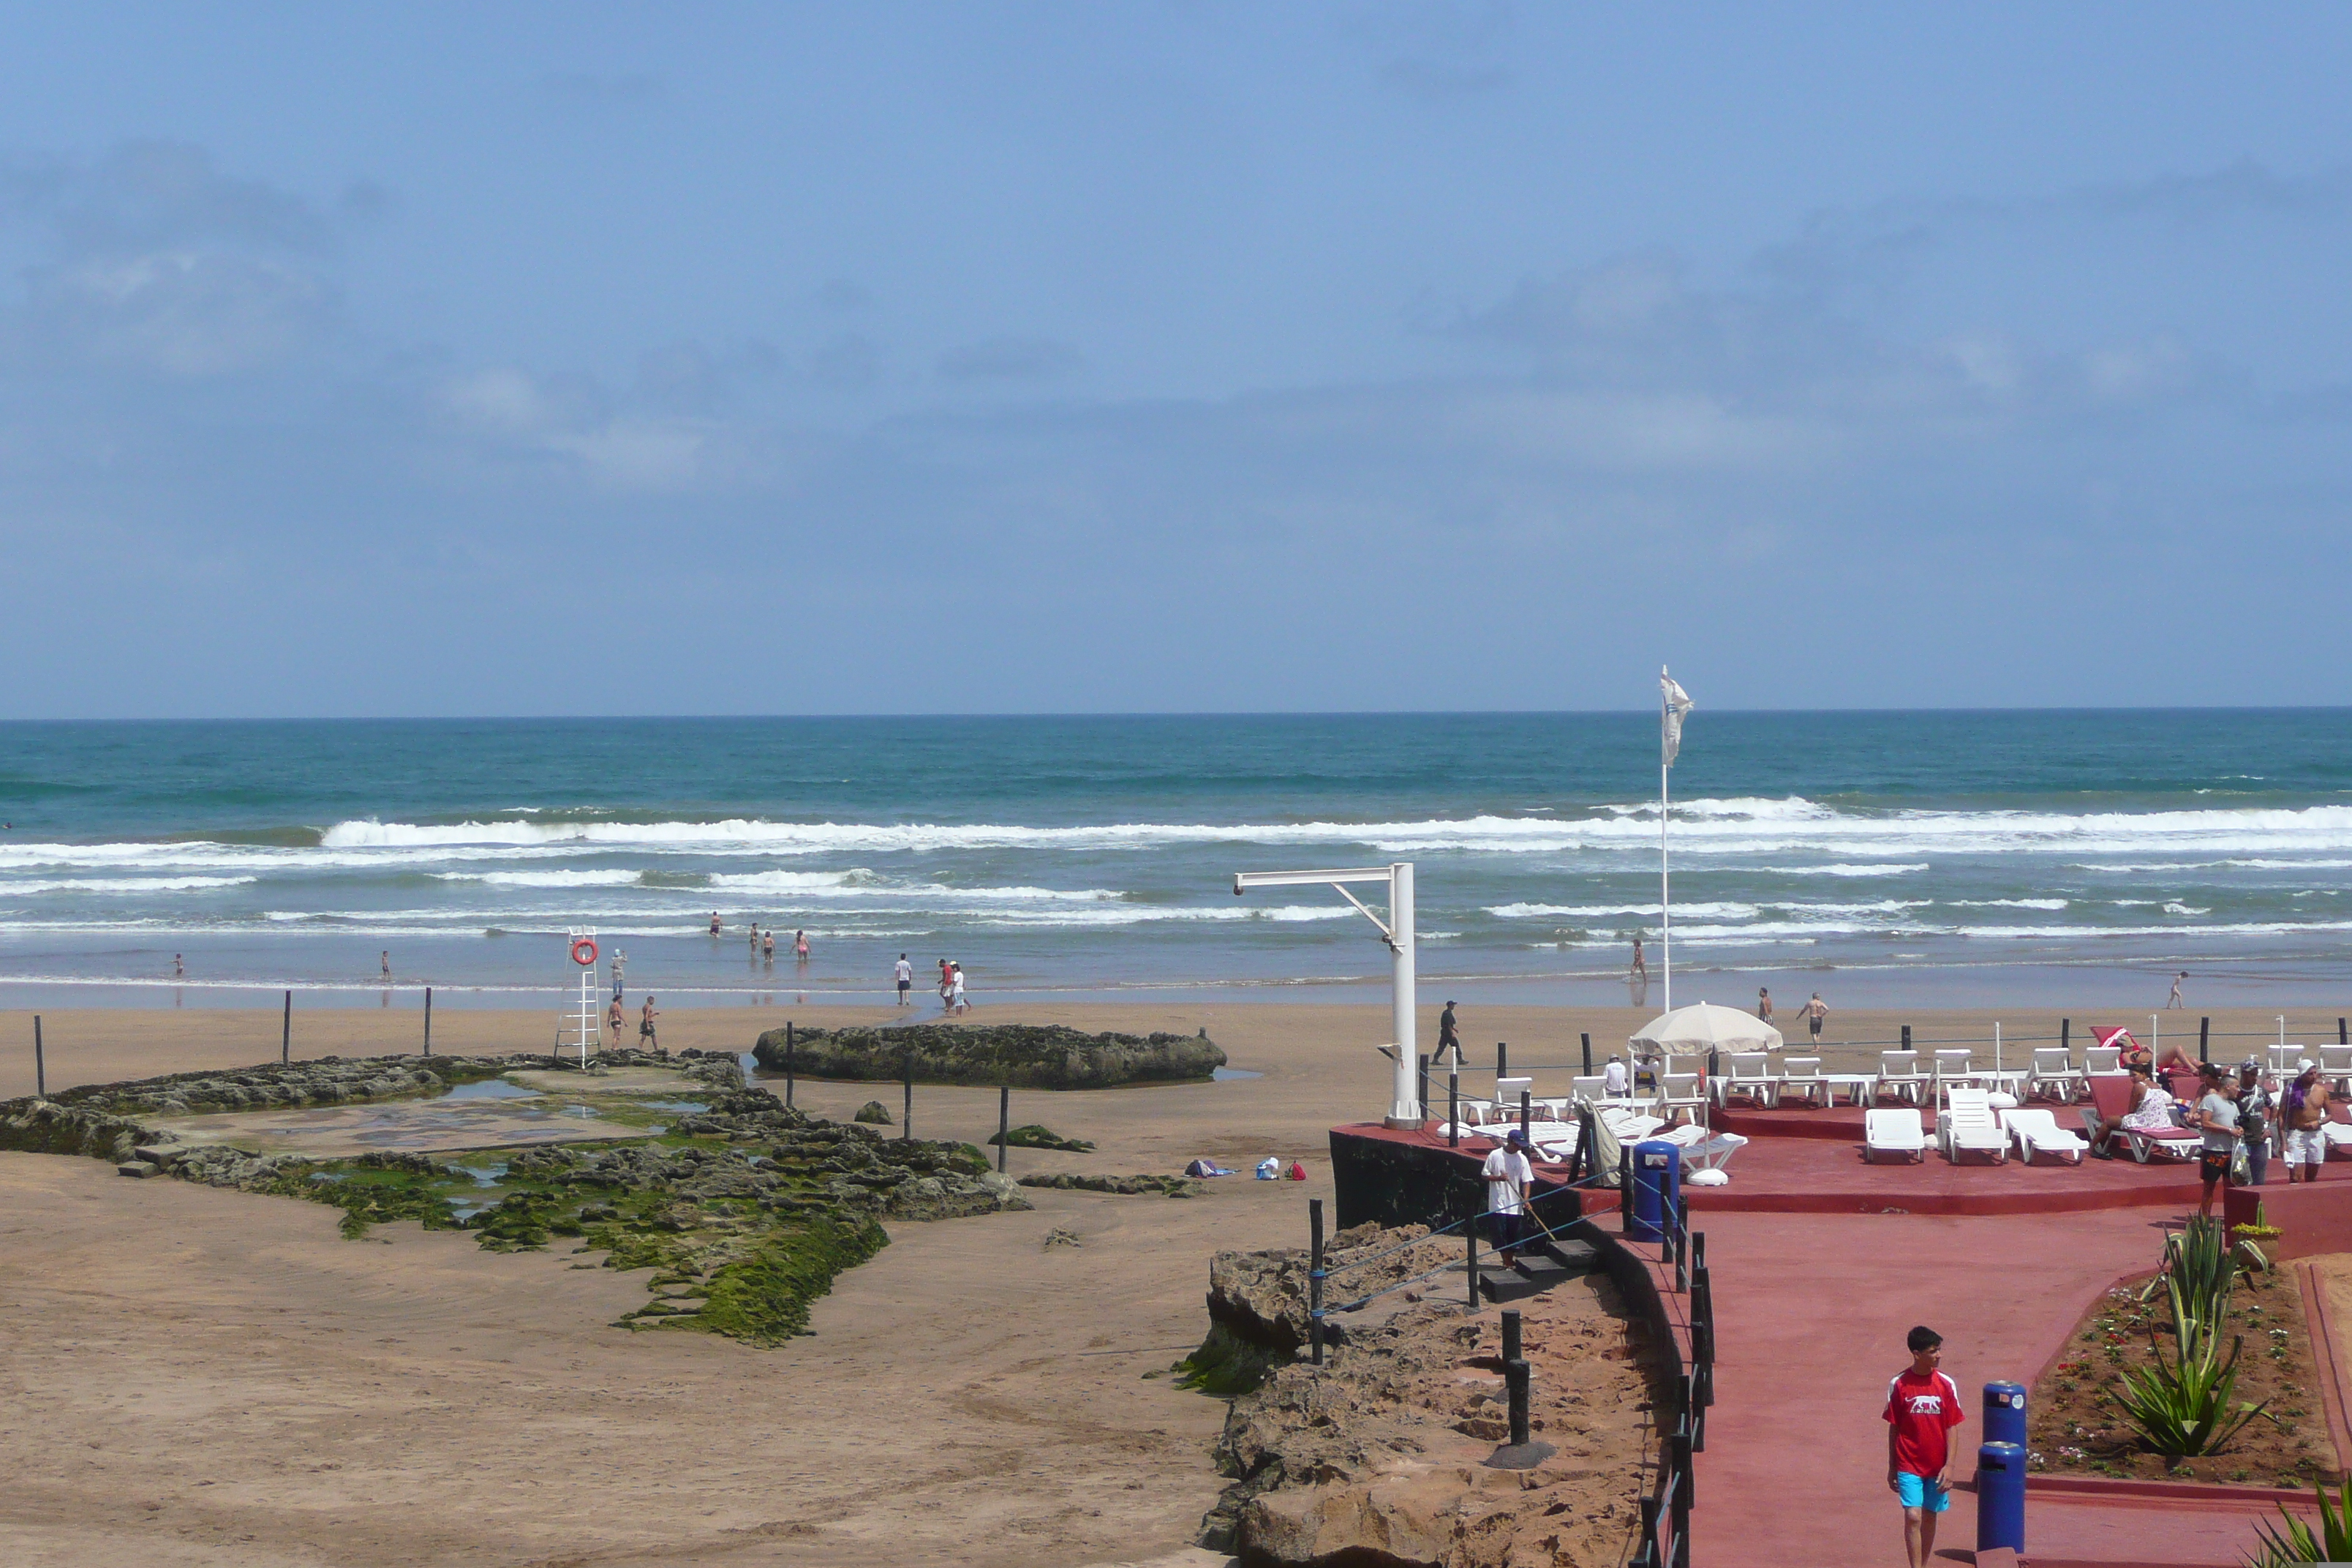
539, 359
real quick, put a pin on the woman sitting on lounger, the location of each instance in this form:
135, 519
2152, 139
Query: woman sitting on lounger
2151, 1110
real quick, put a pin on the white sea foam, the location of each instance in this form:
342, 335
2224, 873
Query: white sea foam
2047, 904
1843, 870
1603, 912
133, 885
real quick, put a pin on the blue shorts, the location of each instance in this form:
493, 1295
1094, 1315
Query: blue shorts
1919, 1491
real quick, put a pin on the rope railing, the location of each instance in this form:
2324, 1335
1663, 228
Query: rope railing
1664, 1540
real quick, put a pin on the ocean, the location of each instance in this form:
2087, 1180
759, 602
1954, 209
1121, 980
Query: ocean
1947, 859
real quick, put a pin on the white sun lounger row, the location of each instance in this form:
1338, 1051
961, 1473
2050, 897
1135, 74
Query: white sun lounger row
1969, 1124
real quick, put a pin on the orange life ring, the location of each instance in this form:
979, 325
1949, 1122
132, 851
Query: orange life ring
583, 954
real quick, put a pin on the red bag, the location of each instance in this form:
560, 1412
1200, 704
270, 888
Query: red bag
1297, 1172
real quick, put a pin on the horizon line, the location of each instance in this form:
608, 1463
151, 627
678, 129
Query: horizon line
1156, 713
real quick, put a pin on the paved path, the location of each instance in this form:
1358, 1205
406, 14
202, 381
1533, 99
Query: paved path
1811, 1312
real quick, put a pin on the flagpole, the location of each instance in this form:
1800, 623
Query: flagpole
1666, 903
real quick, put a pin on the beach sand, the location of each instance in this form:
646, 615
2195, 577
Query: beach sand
220, 1378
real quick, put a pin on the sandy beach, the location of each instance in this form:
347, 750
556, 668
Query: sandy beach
218, 1376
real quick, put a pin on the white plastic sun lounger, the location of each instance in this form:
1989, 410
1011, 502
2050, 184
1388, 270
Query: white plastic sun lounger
1748, 1073
2100, 1059
2038, 1133
1966, 1126
1899, 1071
1803, 1076
2054, 1074
1894, 1133
2335, 1069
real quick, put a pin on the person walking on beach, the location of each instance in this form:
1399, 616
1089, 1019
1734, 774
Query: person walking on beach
2306, 1123
2216, 1117
647, 1038
1640, 964
1763, 1004
904, 974
1508, 1176
1448, 1039
957, 1001
2174, 1000
1923, 1406
947, 985
1815, 1013
614, 1020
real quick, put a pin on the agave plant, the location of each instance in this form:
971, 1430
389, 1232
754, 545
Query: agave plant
2199, 1272
2182, 1408
2298, 1543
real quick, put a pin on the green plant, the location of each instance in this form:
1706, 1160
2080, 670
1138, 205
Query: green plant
2183, 1408
2197, 1274
2332, 1542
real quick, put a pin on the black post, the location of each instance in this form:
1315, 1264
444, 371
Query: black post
1004, 1126
788, 1053
428, 1020
1314, 1277
1625, 1188
906, 1129
2341, 1038
2204, 1034
1681, 1452
1425, 1083
1680, 1231
1588, 1056
1526, 1101
1906, 1037
1502, 1060
2067, 1034
1453, 1106
1515, 1377
286, 1033
1470, 1256
40, 1063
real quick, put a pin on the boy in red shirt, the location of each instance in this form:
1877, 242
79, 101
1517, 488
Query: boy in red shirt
1922, 1408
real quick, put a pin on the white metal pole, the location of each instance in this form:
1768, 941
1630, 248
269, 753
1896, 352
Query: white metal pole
1406, 1110
1666, 902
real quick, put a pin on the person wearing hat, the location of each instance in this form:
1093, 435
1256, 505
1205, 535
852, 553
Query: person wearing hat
2216, 1116
1508, 1176
2256, 1109
1615, 1081
2306, 1123
1447, 1040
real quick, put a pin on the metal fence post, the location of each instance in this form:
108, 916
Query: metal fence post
1515, 1377
907, 1132
428, 1020
1005, 1125
2204, 1034
1424, 1081
1588, 1054
1470, 1255
285, 1034
40, 1063
1527, 1112
1314, 1277
1453, 1104
789, 1053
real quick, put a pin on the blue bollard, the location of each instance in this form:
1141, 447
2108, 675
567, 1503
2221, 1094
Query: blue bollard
2001, 1497
2004, 1414
1657, 1190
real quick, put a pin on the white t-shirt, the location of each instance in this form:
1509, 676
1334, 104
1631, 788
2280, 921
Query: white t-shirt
1508, 1196
1613, 1079
959, 982
905, 972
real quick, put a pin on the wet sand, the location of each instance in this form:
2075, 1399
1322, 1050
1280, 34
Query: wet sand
220, 1377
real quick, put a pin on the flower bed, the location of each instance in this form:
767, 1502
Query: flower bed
2077, 1428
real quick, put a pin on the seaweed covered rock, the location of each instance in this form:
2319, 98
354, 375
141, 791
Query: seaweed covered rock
1032, 1136
1131, 1186
1024, 1056
873, 1113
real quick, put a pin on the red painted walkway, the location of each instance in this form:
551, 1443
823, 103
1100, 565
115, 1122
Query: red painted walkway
1810, 1311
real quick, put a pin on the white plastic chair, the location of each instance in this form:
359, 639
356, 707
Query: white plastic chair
2053, 1069
2037, 1131
1896, 1133
1966, 1125
2335, 1067
1950, 1066
1591, 1091
1801, 1076
1680, 1089
1899, 1071
2283, 1058
1748, 1073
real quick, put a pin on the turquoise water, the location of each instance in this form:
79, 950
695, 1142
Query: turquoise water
1930, 856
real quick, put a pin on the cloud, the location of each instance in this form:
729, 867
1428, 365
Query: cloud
1010, 359
144, 195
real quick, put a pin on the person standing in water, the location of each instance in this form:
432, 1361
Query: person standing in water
1640, 964
387, 963
904, 974
620, 962
957, 1002
714, 923
800, 945
768, 945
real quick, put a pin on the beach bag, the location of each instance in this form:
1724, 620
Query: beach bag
2242, 1169
1297, 1172
1269, 1169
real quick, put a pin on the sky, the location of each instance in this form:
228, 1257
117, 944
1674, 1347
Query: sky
581, 359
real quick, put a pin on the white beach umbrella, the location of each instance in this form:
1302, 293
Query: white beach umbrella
1692, 1031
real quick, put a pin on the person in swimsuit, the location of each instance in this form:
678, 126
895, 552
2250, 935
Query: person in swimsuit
645, 1035
768, 945
2174, 1000
800, 945
1640, 964
1815, 1013
714, 923
613, 1021
1763, 1004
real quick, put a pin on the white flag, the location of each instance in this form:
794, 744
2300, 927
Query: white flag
1670, 722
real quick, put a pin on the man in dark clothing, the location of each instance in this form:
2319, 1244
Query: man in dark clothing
1447, 1040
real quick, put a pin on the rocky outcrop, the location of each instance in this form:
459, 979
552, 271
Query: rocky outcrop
1131, 1186
1377, 1457
1024, 1056
1032, 1136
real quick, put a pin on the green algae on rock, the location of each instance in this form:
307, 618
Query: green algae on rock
1024, 1056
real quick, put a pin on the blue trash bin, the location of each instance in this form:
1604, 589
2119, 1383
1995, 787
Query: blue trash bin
2004, 1414
1657, 1189
2001, 1497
